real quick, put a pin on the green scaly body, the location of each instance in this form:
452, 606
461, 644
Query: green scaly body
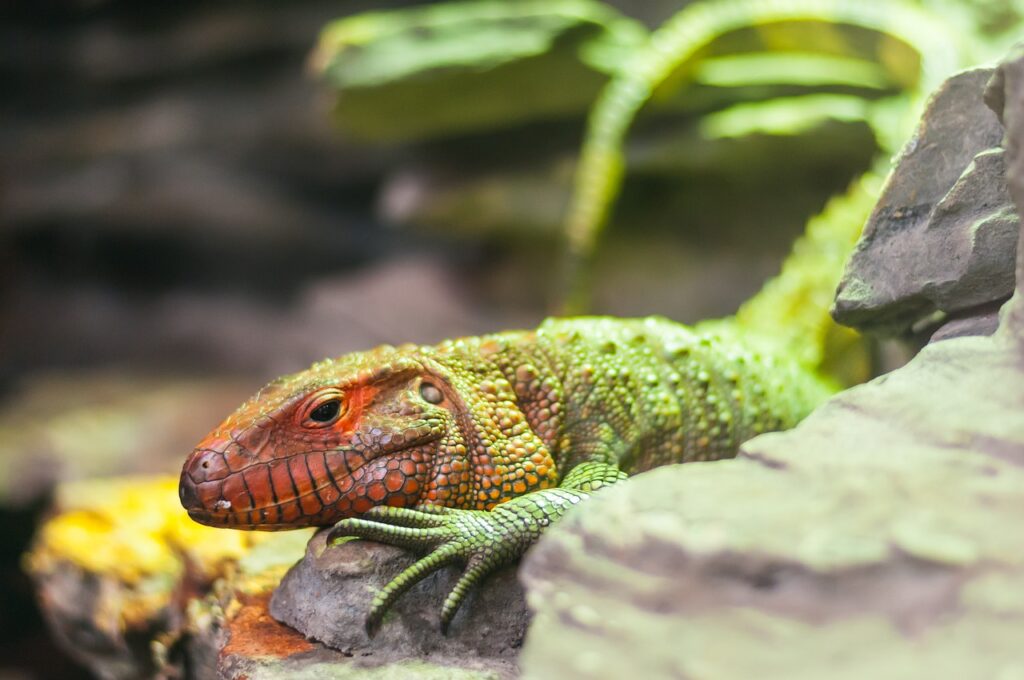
637, 393
470, 448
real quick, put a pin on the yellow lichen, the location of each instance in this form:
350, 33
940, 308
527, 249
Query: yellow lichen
132, 529
132, 536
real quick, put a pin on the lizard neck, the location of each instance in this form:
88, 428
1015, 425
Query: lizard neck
509, 421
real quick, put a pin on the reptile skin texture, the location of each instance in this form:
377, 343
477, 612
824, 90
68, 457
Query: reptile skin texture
467, 450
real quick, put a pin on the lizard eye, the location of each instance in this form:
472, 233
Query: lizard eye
431, 393
324, 410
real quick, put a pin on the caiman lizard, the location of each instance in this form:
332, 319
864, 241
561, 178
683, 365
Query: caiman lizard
468, 449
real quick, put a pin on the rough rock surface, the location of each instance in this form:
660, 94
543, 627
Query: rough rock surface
115, 566
880, 538
943, 235
132, 588
233, 635
327, 595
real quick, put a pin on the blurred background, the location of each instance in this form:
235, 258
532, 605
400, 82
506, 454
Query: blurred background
188, 209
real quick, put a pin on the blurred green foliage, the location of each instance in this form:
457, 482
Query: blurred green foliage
743, 68
466, 66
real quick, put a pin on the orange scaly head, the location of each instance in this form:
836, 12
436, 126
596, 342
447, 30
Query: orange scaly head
330, 442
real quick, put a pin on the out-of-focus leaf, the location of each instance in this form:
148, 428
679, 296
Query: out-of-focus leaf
796, 68
913, 48
467, 66
784, 116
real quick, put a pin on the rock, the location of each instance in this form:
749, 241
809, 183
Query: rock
880, 538
327, 595
231, 633
881, 534
132, 588
116, 566
941, 240
1006, 95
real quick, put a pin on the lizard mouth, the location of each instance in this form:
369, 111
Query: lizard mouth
239, 520
308, 488
293, 513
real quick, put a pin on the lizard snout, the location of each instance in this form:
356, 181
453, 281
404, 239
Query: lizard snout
207, 463
188, 493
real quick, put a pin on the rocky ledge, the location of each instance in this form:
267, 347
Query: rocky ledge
327, 595
880, 538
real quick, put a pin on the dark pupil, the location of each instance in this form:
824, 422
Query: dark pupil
325, 411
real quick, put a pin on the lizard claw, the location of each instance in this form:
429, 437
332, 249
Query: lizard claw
482, 540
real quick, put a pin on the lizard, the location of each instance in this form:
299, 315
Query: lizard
470, 448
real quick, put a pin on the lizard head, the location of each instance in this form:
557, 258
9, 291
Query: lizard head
323, 444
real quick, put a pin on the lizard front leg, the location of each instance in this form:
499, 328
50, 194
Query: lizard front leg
483, 540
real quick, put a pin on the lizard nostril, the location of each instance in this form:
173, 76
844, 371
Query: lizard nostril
207, 465
187, 493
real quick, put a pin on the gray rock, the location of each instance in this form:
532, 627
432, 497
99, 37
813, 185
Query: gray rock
880, 538
76, 605
941, 240
232, 636
322, 664
327, 595
1006, 95
882, 534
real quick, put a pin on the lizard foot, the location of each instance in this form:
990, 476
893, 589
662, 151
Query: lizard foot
482, 540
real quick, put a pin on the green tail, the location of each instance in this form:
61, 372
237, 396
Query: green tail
791, 310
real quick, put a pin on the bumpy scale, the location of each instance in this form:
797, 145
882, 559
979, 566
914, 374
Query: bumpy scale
467, 450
